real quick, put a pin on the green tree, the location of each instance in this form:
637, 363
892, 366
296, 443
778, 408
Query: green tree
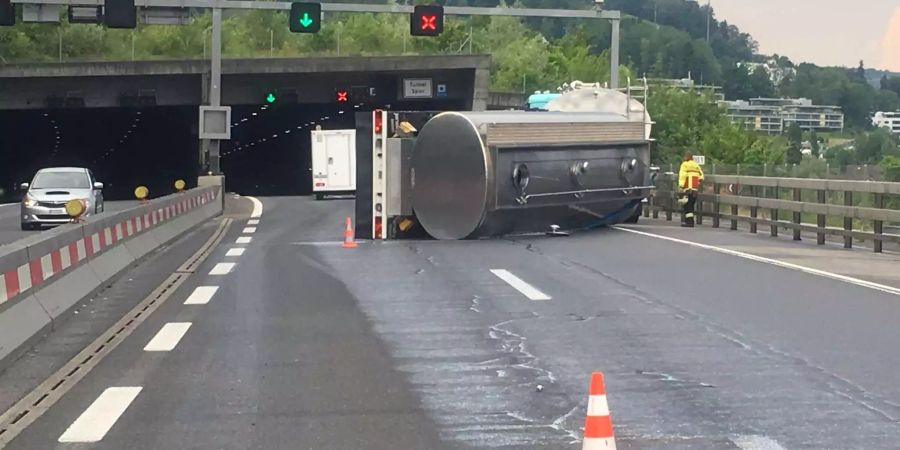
761, 84
814, 143
795, 138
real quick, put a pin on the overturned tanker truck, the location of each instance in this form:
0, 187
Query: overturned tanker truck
462, 175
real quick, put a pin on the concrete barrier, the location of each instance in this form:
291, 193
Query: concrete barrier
42, 277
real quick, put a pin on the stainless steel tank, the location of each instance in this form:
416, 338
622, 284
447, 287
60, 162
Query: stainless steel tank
477, 174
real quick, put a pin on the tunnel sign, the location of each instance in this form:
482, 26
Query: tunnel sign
417, 88
306, 17
442, 90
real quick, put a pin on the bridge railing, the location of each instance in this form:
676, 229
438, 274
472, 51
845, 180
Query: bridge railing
846, 208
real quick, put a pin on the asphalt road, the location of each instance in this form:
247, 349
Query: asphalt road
418, 344
10, 230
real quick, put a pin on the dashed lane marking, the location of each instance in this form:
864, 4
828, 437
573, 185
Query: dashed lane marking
93, 424
526, 289
235, 251
774, 262
243, 240
757, 443
167, 337
257, 208
253, 222
221, 269
249, 230
201, 295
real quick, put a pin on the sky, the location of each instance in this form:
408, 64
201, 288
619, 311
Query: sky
824, 32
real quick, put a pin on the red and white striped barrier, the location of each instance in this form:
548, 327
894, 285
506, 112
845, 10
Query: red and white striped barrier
598, 429
39, 270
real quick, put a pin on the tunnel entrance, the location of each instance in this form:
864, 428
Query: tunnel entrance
124, 147
269, 153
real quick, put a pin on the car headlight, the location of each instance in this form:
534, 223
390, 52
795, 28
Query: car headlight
29, 201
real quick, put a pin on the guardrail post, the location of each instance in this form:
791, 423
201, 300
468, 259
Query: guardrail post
773, 215
820, 219
655, 205
878, 225
754, 192
717, 189
848, 221
797, 215
699, 208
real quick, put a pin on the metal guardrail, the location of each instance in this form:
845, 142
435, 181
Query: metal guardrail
862, 201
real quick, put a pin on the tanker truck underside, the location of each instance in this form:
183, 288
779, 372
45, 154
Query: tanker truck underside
466, 175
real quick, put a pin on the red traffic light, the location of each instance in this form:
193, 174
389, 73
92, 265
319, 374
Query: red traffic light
342, 96
427, 20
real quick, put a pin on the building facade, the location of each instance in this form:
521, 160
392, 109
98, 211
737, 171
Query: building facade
774, 115
889, 120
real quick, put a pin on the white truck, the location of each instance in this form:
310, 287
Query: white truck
333, 162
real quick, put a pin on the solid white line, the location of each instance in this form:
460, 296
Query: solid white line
257, 208
7, 204
253, 222
774, 262
235, 251
756, 443
243, 240
249, 230
167, 337
201, 295
521, 286
221, 269
93, 424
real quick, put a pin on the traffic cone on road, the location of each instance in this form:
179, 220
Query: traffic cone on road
348, 235
598, 429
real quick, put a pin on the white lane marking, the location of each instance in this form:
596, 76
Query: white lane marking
221, 269
8, 204
774, 262
243, 240
526, 289
235, 251
93, 424
257, 207
253, 222
756, 443
201, 295
249, 230
167, 337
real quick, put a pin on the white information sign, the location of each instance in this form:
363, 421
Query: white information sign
417, 88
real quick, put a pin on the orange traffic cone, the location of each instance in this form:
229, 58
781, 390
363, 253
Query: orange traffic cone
598, 429
348, 235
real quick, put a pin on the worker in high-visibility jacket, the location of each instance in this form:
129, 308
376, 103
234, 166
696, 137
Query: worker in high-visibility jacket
689, 177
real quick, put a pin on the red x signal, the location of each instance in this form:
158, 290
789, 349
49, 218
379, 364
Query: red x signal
427, 20
342, 96
429, 23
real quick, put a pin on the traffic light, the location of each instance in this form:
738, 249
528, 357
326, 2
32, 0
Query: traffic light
427, 20
120, 14
306, 17
7, 13
342, 96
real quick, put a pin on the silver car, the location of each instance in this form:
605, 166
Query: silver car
45, 198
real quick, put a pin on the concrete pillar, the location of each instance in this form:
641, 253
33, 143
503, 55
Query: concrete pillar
481, 87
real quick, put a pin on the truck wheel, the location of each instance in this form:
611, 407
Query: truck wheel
320, 196
637, 214
27, 226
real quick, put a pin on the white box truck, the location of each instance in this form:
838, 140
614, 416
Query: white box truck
333, 162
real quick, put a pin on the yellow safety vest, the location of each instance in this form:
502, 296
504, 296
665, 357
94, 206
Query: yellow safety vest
689, 176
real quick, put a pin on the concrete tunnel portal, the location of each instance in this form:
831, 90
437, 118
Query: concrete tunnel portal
135, 123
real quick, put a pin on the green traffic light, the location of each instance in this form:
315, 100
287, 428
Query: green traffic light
270, 98
305, 17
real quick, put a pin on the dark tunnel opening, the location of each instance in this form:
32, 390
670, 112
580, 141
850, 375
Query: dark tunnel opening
124, 147
269, 152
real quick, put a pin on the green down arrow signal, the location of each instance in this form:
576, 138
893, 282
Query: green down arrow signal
270, 98
306, 21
